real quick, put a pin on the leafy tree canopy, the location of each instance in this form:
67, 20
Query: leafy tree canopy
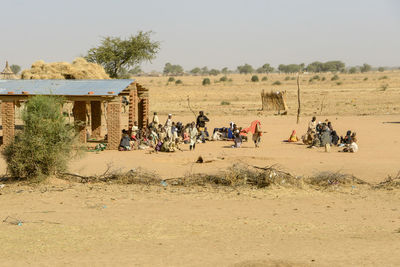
15, 68
246, 68
365, 67
266, 68
115, 53
170, 69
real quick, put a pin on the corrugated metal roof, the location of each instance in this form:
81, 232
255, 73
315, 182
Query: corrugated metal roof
64, 87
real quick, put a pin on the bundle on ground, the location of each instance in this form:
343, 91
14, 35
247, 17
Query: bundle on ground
80, 69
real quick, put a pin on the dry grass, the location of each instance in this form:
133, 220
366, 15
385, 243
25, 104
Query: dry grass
235, 176
390, 183
355, 96
328, 179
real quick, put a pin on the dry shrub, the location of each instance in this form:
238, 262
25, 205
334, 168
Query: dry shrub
328, 179
80, 69
240, 175
390, 183
236, 176
134, 176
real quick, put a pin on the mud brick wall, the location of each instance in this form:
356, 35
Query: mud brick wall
8, 119
114, 124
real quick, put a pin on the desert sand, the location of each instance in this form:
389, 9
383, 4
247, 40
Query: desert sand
69, 223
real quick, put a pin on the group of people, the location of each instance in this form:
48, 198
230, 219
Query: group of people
165, 137
239, 134
322, 134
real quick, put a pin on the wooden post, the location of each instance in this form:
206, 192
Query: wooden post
298, 98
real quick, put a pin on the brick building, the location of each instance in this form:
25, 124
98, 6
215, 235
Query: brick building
92, 100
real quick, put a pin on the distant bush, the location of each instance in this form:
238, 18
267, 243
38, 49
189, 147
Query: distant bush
352, 70
276, 83
178, 82
316, 77
230, 80
171, 79
381, 69
335, 78
265, 78
46, 143
287, 78
214, 72
206, 81
383, 78
254, 78
365, 68
339, 83
366, 79
223, 79
323, 79
225, 103
293, 78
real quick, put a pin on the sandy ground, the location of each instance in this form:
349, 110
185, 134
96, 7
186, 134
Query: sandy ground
378, 156
65, 223
109, 225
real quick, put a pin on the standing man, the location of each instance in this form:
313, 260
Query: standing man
193, 136
312, 125
155, 121
168, 127
201, 125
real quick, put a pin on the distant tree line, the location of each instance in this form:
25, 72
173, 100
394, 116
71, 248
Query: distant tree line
314, 67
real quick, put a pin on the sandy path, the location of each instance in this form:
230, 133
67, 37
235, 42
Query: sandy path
111, 225
378, 155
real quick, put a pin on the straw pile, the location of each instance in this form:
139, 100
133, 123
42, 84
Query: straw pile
80, 69
273, 100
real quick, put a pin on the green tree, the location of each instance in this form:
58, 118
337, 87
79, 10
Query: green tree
266, 68
195, 71
246, 68
170, 69
225, 71
115, 53
365, 68
45, 145
214, 72
381, 69
15, 68
315, 66
353, 70
205, 71
291, 68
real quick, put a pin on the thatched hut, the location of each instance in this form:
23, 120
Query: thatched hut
7, 73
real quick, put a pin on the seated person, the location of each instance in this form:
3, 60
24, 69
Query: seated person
237, 139
335, 138
326, 137
293, 137
347, 139
125, 145
352, 148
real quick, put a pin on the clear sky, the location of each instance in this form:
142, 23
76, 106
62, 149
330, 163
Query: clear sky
213, 33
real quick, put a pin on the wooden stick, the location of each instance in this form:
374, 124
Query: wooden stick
298, 98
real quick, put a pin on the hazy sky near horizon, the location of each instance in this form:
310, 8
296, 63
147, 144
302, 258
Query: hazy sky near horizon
213, 33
